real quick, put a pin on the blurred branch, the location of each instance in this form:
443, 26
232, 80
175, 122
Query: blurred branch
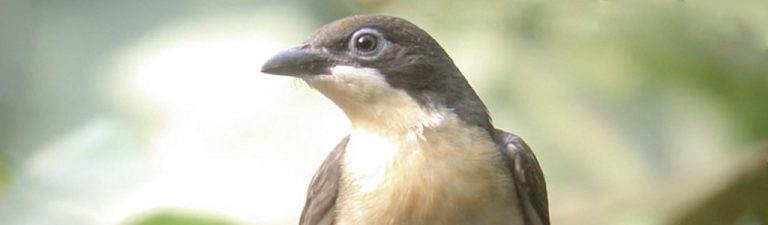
743, 201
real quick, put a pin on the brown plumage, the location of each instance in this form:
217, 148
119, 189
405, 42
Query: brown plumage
422, 149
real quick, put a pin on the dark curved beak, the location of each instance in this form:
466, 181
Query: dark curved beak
298, 61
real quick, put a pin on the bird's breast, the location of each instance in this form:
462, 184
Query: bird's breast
447, 174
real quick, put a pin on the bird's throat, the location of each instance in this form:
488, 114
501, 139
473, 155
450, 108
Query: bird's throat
447, 173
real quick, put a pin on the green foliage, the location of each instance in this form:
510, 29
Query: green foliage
180, 218
633, 107
5, 176
722, 57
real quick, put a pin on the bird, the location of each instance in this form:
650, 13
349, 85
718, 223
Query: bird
422, 149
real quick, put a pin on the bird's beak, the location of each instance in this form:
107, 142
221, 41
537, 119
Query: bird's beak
298, 61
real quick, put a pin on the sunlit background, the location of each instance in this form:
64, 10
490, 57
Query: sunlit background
155, 112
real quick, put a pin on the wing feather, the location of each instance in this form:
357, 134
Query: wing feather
324, 189
529, 180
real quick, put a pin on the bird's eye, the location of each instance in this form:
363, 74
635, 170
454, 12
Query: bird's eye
366, 42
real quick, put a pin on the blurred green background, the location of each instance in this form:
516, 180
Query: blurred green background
154, 112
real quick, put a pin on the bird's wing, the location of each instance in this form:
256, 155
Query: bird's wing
529, 180
322, 193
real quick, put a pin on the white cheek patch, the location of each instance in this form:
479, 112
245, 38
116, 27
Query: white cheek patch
349, 84
360, 76
370, 102
352, 87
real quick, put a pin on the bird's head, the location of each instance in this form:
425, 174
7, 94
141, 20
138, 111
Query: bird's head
382, 69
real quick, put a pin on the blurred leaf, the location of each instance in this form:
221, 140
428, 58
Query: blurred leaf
722, 57
5, 176
180, 218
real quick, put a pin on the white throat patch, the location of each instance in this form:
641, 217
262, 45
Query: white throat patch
381, 116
